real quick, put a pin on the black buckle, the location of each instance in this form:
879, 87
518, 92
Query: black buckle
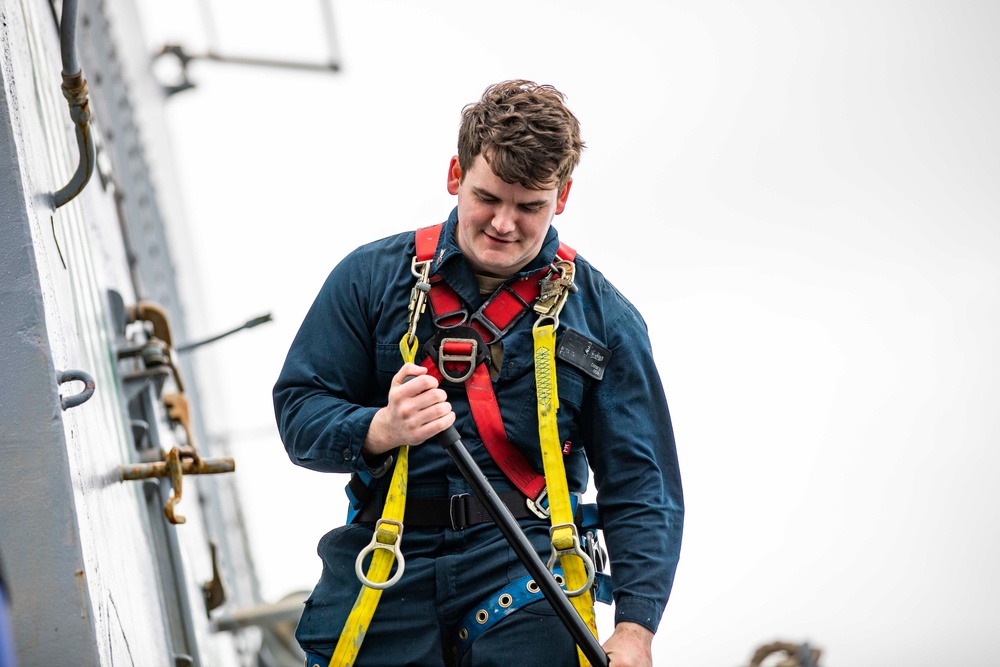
458, 512
480, 318
462, 314
540, 505
592, 545
478, 353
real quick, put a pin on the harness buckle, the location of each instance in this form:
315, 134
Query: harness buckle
457, 511
592, 545
449, 352
508, 313
458, 354
452, 320
495, 332
536, 506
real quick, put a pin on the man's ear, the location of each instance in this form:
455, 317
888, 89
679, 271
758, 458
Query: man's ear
563, 196
454, 175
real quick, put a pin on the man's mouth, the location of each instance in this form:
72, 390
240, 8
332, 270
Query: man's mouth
499, 240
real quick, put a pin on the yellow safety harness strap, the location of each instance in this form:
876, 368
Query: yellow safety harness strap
385, 550
578, 571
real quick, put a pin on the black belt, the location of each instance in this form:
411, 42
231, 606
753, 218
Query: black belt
456, 512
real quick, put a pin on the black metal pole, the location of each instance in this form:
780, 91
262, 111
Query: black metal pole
452, 444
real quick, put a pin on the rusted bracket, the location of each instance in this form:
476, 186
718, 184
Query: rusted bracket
157, 353
213, 590
179, 410
179, 461
157, 356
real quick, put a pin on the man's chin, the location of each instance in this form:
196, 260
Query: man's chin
494, 259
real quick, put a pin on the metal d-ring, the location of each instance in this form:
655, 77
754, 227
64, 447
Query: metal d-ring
375, 544
575, 550
470, 358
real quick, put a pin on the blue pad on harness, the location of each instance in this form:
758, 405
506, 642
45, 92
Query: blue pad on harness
357, 493
314, 660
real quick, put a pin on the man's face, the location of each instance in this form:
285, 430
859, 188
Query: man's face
501, 226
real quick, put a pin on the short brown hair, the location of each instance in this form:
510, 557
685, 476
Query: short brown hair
525, 133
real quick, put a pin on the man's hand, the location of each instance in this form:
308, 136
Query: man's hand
417, 410
631, 645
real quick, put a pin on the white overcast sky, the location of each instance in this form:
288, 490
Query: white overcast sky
800, 197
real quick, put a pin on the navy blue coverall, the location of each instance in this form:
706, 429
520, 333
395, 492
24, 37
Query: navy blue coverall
337, 375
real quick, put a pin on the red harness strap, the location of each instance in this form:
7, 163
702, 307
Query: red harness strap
497, 315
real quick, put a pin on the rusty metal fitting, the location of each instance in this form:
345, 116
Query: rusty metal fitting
179, 461
75, 89
188, 466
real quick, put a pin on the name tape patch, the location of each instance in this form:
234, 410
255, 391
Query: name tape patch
583, 353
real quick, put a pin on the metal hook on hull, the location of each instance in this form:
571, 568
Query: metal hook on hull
74, 88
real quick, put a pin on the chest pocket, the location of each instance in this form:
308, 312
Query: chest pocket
388, 361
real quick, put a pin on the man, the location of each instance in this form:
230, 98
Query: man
342, 406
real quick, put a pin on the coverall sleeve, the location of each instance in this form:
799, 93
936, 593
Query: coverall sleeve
632, 453
324, 394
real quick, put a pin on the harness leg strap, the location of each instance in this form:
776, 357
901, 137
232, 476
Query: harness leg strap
515, 595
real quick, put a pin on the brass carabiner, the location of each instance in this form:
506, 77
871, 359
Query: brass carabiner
418, 300
555, 288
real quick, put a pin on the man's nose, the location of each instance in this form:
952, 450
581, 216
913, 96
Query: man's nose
504, 221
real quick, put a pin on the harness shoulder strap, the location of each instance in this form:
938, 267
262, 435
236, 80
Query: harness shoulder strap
427, 241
